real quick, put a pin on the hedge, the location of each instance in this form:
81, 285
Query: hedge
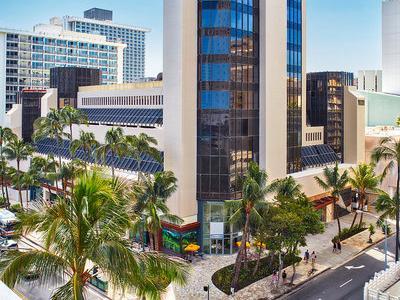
349, 232
222, 279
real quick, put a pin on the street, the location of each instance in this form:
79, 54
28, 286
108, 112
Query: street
346, 283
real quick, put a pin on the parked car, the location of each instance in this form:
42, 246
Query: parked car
7, 223
7, 244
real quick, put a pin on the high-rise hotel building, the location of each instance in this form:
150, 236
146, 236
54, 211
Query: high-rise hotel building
233, 84
391, 46
27, 57
99, 21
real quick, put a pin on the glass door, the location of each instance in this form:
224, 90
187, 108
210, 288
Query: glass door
216, 246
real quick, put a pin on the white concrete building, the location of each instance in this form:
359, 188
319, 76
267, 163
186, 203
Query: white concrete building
391, 46
370, 80
26, 58
134, 37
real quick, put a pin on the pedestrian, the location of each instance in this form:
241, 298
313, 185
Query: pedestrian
339, 247
306, 256
334, 247
275, 280
284, 276
313, 260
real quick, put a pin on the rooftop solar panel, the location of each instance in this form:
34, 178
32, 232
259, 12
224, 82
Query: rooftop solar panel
125, 116
147, 165
318, 155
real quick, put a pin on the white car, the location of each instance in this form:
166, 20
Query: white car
7, 221
6, 244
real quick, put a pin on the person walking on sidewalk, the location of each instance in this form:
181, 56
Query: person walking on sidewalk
334, 246
339, 247
306, 256
275, 280
284, 276
313, 260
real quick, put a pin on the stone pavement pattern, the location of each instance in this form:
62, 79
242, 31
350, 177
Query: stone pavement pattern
202, 270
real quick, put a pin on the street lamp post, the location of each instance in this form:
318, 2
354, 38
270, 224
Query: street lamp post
386, 234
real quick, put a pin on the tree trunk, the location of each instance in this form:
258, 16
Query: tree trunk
280, 266
294, 274
238, 262
336, 213
258, 261
2, 187
27, 198
20, 196
156, 245
112, 165
362, 204
19, 186
8, 197
354, 220
246, 264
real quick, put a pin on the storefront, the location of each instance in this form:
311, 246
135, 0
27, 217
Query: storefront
176, 238
218, 236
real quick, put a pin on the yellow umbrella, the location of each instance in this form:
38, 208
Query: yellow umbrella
239, 243
192, 248
259, 244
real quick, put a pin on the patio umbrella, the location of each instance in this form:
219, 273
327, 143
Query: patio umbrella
239, 243
192, 248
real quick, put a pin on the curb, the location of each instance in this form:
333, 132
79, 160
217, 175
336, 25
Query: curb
361, 252
299, 285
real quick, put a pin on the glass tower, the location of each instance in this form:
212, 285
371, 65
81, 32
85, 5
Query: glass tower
228, 111
294, 85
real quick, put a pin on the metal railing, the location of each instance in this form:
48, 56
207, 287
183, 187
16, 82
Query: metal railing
376, 287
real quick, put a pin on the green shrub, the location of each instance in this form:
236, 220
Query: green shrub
16, 208
349, 232
3, 202
222, 279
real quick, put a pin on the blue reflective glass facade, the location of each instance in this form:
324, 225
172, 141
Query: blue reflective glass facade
228, 95
228, 111
294, 85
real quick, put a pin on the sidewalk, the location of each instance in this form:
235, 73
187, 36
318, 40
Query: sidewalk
203, 270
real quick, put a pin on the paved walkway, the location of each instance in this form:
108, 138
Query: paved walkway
202, 270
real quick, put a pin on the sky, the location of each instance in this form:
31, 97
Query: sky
342, 35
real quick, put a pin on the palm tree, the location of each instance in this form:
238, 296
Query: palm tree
142, 144
151, 198
52, 126
5, 179
386, 205
364, 180
287, 187
334, 183
29, 179
71, 116
68, 172
87, 142
46, 169
254, 191
388, 151
6, 135
84, 233
18, 150
115, 145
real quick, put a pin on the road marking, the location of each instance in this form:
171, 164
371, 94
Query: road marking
356, 268
346, 283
